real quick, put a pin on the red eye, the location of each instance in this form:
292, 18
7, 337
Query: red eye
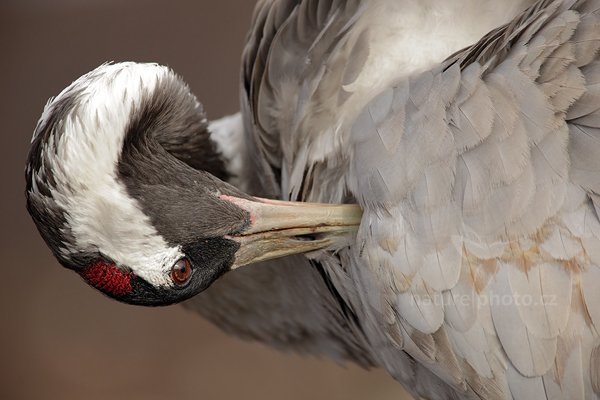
181, 271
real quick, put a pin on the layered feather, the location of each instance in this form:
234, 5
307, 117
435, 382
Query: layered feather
476, 265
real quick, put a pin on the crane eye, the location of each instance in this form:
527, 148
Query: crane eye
181, 271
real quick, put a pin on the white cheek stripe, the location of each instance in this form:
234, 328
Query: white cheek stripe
100, 213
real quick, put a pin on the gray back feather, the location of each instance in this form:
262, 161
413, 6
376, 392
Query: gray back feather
479, 181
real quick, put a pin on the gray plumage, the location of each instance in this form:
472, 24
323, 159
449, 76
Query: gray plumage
479, 180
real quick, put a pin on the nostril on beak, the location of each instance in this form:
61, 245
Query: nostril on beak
309, 237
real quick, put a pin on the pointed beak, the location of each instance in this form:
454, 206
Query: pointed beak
281, 228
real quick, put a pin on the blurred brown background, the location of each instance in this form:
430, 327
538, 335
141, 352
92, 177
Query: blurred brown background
60, 339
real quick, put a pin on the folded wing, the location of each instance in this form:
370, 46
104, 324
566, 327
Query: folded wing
480, 182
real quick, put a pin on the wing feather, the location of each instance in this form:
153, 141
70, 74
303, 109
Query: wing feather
487, 179
531, 355
476, 267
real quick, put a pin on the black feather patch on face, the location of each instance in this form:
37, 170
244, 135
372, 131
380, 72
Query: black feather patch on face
210, 259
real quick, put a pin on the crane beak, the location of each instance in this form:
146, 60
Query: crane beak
281, 228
